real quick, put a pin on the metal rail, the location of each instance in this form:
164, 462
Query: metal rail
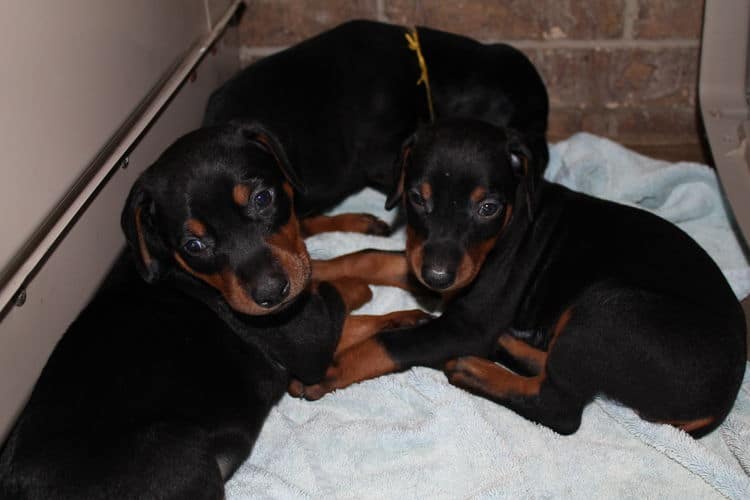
722, 90
22, 268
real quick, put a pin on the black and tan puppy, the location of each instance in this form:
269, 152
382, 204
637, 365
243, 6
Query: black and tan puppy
160, 387
343, 102
586, 296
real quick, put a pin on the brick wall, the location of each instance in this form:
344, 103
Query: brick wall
626, 69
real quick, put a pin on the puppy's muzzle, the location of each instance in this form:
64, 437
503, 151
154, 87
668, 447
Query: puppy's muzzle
270, 290
439, 265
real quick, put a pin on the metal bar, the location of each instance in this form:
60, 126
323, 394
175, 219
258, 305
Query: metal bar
28, 260
723, 102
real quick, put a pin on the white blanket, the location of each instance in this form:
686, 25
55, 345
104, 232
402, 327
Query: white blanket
412, 435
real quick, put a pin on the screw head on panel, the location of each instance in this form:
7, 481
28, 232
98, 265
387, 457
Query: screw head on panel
20, 298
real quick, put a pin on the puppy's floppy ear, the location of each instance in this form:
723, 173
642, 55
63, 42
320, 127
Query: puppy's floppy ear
138, 224
259, 135
521, 162
399, 173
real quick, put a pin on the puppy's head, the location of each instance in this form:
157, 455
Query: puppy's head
461, 182
218, 205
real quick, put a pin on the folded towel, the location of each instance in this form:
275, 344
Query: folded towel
413, 435
687, 194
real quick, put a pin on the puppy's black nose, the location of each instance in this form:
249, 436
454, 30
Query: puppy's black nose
270, 290
438, 277
439, 264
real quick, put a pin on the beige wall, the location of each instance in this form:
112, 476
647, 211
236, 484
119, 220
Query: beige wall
72, 73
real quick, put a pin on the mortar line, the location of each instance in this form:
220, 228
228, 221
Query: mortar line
630, 14
673, 43
249, 52
380, 10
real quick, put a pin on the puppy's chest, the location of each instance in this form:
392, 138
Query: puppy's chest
528, 295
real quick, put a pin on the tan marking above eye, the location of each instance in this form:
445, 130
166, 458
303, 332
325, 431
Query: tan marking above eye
196, 227
425, 189
478, 194
241, 194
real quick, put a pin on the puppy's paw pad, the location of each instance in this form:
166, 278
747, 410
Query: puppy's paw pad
374, 226
296, 388
407, 319
461, 371
315, 392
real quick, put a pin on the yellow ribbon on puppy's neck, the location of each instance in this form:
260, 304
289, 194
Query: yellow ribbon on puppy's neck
413, 40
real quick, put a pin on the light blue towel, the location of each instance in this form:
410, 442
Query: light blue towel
412, 435
687, 194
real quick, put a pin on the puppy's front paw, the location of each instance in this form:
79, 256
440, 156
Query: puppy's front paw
405, 319
373, 225
466, 372
363, 361
296, 388
314, 392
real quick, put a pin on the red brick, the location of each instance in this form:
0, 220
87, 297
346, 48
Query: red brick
692, 151
568, 74
284, 22
564, 122
639, 96
491, 20
647, 126
646, 77
669, 19
618, 77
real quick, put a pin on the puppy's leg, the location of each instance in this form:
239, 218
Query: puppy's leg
425, 344
535, 398
377, 267
362, 361
352, 223
670, 360
529, 359
354, 292
358, 328
357, 356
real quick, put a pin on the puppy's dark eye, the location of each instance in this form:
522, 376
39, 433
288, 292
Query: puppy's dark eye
488, 208
262, 199
194, 246
415, 197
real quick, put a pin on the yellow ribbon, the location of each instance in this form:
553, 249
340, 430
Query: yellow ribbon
413, 40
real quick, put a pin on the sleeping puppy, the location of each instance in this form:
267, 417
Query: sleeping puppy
160, 387
585, 296
343, 102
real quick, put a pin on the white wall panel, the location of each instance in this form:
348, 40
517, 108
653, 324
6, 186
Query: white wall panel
71, 73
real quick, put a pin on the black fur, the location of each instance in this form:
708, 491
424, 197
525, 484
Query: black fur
343, 102
652, 323
159, 389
